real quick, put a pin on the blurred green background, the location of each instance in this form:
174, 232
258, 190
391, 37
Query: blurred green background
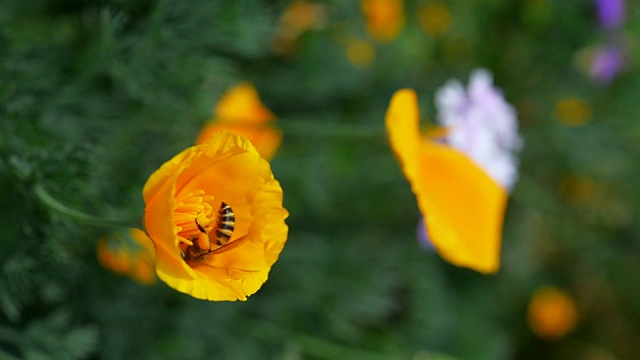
97, 94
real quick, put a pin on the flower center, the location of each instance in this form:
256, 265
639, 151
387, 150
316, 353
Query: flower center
194, 215
202, 229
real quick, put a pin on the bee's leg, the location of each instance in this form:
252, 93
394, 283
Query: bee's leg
202, 230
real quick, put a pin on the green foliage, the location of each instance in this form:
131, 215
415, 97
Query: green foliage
96, 95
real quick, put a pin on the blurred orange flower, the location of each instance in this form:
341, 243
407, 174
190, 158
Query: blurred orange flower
462, 205
297, 18
128, 254
214, 213
552, 313
384, 18
241, 112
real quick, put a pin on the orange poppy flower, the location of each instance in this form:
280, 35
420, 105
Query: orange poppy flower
384, 18
128, 254
463, 207
552, 313
214, 213
241, 111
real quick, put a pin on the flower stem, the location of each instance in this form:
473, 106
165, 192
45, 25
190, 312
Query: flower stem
76, 215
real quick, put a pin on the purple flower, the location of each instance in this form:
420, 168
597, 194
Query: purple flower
423, 237
606, 64
611, 13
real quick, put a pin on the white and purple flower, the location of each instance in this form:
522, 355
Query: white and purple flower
481, 124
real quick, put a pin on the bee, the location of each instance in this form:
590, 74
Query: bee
225, 224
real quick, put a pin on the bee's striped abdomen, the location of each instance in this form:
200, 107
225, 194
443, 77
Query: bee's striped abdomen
225, 225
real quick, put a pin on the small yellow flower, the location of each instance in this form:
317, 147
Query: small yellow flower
463, 206
241, 112
573, 111
359, 52
435, 19
552, 313
384, 18
128, 254
214, 213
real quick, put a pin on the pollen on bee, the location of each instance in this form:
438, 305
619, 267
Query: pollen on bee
203, 241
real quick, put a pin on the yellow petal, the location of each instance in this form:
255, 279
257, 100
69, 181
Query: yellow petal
161, 176
242, 104
159, 198
403, 129
266, 139
463, 207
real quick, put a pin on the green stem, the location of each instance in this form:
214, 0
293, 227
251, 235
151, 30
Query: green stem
76, 215
314, 346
